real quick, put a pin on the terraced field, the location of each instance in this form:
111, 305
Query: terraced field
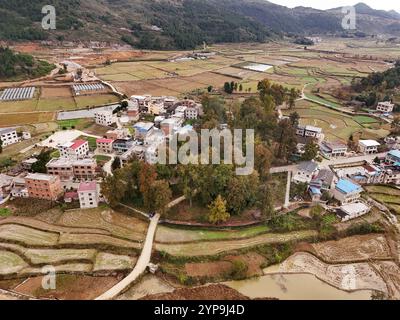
389, 196
89, 242
210, 248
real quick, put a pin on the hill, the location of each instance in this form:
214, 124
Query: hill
181, 24
14, 66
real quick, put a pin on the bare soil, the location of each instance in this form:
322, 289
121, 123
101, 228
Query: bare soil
211, 292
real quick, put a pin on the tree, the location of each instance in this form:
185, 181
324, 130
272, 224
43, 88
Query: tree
189, 177
160, 196
263, 159
43, 159
228, 88
286, 139
218, 212
210, 89
294, 119
310, 151
241, 87
1, 146
147, 177
266, 201
114, 188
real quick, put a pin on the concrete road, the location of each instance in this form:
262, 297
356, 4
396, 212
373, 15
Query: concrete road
140, 267
327, 163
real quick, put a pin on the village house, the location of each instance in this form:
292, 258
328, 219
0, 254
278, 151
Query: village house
309, 131
136, 151
385, 107
104, 118
5, 186
43, 186
120, 146
192, 112
28, 163
119, 133
143, 129
347, 191
78, 149
8, 136
133, 112
105, 145
392, 176
306, 171
156, 108
19, 189
352, 211
67, 169
368, 146
88, 195
393, 157
333, 150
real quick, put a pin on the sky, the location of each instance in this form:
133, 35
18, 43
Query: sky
328, 4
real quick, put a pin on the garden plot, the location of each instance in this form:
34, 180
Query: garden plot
96, 240
210, 248
115, 223
27, 236
57, 256
107, 261
354, 249
11, 263
386, 195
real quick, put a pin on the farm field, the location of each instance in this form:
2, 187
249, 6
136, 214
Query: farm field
389, 196
336, 126
100, 240
210, 248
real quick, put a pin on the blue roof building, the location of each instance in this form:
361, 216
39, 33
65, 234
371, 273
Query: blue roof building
347, 191
393, 156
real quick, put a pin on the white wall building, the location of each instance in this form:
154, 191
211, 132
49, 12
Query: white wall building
104, 118
78, 149
88, 195
352, 211
368, 146
8, 136
386, 107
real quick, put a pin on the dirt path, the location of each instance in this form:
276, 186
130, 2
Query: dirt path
140, 267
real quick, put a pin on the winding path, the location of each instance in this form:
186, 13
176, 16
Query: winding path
140, 267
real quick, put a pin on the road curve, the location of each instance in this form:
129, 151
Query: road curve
140, 267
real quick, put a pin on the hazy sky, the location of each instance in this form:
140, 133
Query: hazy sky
328, 4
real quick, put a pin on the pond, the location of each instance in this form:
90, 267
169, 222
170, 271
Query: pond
294, 287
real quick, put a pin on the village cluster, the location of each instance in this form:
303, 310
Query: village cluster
342, 179
75, 175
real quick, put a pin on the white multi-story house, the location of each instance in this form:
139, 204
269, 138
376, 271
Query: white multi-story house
8, 136
368, 146
104, 118
192, 112
385, 107
78, 149
105, 145
306, 171
333, 150
88, 195
347, 191
309, 131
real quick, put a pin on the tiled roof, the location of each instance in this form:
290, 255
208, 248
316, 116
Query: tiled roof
78, 143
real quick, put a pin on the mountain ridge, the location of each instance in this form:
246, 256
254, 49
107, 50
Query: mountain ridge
182, 24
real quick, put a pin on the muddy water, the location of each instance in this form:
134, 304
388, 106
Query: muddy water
294, 287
